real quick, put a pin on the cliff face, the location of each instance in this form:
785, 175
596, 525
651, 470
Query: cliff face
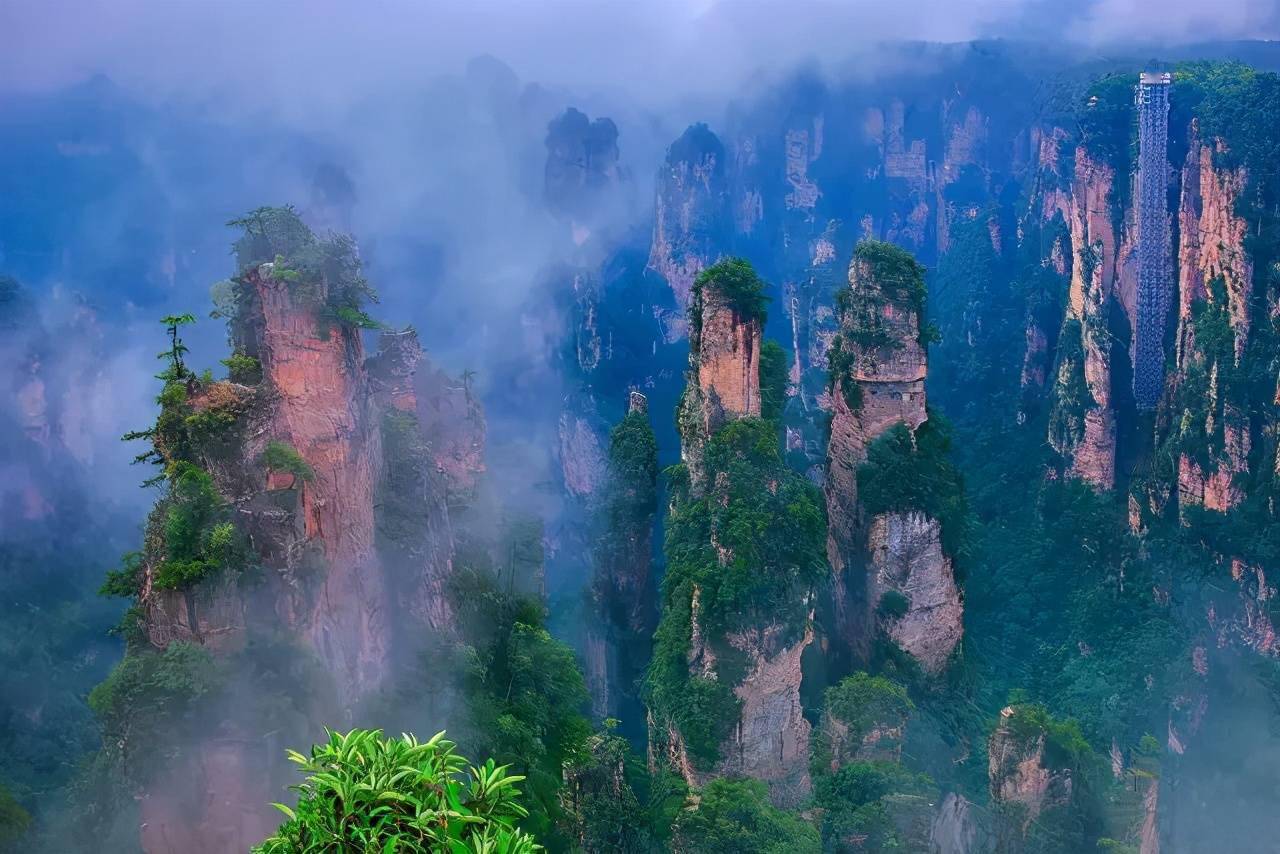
907, 557
747, 653
691, 217
415, 537
1017, 772
321, 407
619, 634
724, 375
582, 160
1082, 419
453, 425
877, 381
229, 780
324, 463
1215, 281
771, 740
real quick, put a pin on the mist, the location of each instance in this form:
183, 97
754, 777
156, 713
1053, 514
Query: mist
132, 131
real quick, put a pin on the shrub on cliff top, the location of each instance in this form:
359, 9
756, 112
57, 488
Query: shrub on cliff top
737, 282
326, 270
896, 271
862, 702
364, 792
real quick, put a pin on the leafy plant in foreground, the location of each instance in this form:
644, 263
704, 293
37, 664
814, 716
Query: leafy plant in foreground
367, 793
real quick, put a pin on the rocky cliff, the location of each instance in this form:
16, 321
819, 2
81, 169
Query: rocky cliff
691, 217
619, 633
723, 382
1082, 424
1215, 287
305, 508
878, 368
743, 551
582, 163
1018, 772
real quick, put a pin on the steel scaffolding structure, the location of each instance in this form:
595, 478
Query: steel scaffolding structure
1155, 272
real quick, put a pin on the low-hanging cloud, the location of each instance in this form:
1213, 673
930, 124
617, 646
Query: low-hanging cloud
301, 55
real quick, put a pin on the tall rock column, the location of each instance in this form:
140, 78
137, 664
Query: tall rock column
1082, 424
723, 382
693, 219
1210, 421
744, 551
619, 633
322, 410
891, 553
414, 535
303, 522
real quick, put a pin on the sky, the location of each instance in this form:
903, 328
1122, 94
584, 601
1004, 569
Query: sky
272, 53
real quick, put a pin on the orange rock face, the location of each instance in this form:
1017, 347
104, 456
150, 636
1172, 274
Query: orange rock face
1098, 262
1017, 772
322, 410
1212, 248
1212, 243
723, 378
728, 363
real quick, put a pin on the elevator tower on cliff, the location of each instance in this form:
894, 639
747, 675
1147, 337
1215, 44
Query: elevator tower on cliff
1155, 272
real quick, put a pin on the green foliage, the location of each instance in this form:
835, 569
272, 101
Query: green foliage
631, 502
279, 456
14, 821
862, 701
773, 381
125, 581
1235, 103
1065, 745
1109, 131
622, 585
199, 537
404, 507
876, 800
268, 233
206, 427
896, 272
735, 815
350, 316
325, 271
841, 360
894, 278
892, 605
770, 528
1071, 395
151, 696
853, 708
175, 370
736, 281
906, 472
243, 369
364, 792
611, 803
521, 689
